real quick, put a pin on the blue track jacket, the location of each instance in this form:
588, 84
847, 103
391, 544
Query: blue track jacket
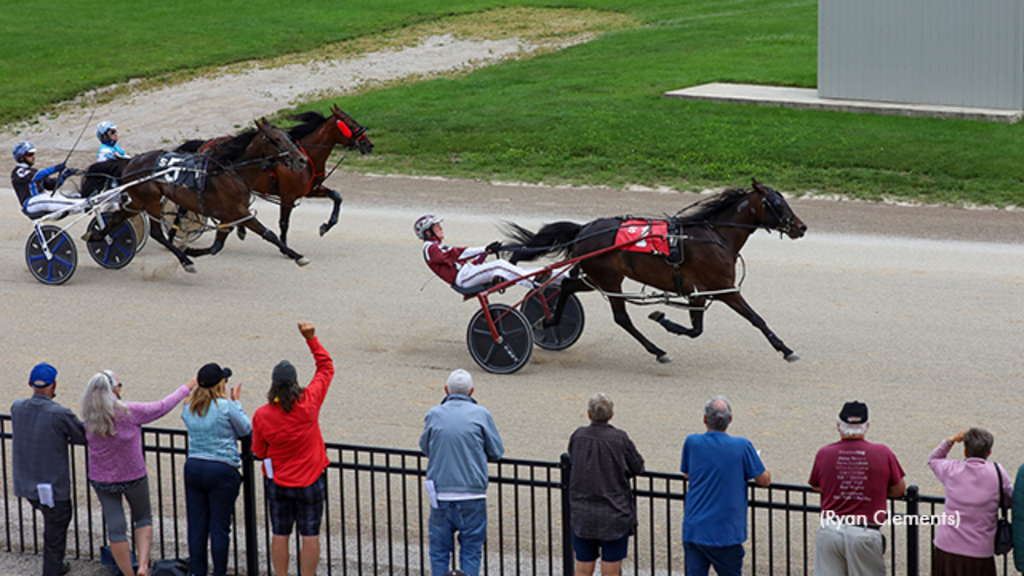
459, 437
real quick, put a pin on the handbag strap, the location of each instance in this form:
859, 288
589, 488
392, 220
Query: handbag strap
1002, 506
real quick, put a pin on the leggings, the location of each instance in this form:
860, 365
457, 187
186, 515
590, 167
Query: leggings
113, 510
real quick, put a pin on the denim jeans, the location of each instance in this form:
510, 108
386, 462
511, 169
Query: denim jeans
469, 519
55, 534
727, 560
211, 488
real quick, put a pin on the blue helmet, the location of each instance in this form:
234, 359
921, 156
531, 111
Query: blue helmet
21, 149
103, 128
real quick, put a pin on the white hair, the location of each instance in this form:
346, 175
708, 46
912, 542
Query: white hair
100, 406
848, 430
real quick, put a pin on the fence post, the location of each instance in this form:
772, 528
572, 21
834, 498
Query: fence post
913, 533
568, 557
252, 559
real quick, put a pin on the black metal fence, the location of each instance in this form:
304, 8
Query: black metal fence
377, 512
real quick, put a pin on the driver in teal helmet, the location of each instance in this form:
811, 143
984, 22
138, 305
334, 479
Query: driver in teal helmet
106, 131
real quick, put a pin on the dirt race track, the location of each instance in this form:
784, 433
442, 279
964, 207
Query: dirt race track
914, 310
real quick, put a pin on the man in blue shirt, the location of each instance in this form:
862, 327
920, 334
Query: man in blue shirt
715, 514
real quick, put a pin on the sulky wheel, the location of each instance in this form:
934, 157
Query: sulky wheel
566, 332
516, 340
184, 226
140, 223
117, 248
62, 261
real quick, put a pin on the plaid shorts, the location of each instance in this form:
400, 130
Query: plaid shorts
303, 507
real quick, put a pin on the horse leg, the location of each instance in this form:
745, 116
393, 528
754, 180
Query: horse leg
109, 220
268, 235
737, 303
217, 246
156, 232
696, 321
568, 287
333, 195
622, 319
286, 216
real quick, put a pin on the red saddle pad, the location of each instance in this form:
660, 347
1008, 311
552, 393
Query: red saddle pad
655, 232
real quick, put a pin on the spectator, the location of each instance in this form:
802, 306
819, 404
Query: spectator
29, 184
106, 132
214, 423
286, 435
718, 467
855, 478
117, 466
459, 437
602, 507
42, 431
972, 498
1017, 515
465, 267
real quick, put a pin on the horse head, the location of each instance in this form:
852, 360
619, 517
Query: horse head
776, 213
292, 155
354, 135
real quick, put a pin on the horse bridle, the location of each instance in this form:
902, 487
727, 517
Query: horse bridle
784, 219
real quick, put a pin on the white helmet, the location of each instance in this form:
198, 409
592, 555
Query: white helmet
424, 224
102, 129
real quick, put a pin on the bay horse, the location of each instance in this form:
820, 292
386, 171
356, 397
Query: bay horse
316, 135
226, 197
713, 232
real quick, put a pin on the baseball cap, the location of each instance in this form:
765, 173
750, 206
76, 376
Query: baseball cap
211, 374
284, 373
42, 375
854, 413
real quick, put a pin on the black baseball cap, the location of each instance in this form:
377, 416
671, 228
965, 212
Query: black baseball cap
211, 374
854, 413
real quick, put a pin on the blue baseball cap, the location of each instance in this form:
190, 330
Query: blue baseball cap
42, 375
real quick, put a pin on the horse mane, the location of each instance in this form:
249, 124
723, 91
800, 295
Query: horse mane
235, 147
712, 208
190, 146
310, 121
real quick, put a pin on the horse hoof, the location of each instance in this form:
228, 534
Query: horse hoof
792, 358
302, 261
190, 268
657, 315
240, 232
324, 228
664, 359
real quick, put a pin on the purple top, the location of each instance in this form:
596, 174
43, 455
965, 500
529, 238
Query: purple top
119, 458
972, 490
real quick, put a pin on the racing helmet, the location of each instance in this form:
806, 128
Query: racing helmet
21, 149
424, 224
103, 128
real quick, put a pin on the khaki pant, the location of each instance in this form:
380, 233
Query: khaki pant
845, 550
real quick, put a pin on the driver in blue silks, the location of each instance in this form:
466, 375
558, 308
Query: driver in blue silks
106, 131
29, 183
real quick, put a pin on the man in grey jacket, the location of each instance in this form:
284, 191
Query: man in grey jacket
459, 437
42, 431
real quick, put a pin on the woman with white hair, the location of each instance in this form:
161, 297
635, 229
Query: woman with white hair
117, 466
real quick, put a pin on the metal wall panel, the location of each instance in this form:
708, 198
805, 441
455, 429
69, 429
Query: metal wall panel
953, 52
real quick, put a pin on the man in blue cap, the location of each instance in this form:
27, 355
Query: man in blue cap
42, 431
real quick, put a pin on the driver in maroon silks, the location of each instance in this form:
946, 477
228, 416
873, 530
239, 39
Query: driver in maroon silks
465, 267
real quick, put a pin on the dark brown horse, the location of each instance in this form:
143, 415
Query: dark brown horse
713, 232
316, 135
229, 175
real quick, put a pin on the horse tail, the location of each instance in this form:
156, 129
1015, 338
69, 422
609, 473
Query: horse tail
556, 238
102, 175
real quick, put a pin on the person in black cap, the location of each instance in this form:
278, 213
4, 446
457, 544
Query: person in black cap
42, 431
855, 479
286, 435
215, 422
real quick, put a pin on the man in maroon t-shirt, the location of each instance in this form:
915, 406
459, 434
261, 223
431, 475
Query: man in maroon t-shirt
855, 478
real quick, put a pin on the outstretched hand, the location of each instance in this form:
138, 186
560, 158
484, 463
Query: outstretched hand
193, 383
307, 330
236, 392
958, 437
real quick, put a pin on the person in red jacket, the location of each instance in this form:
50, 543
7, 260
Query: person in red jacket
286, 435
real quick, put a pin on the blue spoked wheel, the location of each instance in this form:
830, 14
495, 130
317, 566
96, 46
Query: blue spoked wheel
117, 248
514, 346
566, 332
62, 261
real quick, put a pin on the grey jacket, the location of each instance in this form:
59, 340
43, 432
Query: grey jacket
42, 431
459, 437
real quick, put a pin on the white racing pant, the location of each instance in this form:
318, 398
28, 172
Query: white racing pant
43, 204
471, 275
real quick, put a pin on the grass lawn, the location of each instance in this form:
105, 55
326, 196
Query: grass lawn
591, 114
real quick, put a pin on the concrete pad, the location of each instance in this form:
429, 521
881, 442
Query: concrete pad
808, 99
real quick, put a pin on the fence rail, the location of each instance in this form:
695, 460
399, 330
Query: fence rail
377, 512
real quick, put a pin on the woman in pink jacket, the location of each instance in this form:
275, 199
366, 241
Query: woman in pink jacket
965, 541
117, 466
